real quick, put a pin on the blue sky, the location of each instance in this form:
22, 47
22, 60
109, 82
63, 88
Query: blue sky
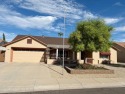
45, 17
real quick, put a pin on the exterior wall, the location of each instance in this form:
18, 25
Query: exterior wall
98, 60
79, 58
113, 56
120, 53
22, 43
80, 61
2, 56
78, 55
50, 61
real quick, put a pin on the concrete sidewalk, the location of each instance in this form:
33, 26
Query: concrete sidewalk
59, 84
41, 77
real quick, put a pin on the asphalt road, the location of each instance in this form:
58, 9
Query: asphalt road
117, 90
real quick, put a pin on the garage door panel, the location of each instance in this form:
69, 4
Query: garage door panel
28, 56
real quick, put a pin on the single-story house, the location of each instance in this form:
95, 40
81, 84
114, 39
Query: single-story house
121, 51
24, 48
2, 51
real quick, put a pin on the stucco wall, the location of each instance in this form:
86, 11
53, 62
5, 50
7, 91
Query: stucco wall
113, 56
78, 55
51, 61
22, 43
79, 58
97, 59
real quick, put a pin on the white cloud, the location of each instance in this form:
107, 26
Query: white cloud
16, 19
112, 20
37, 22
121, 28
53, 7
118, 4
6, 11
87, 15
9, 36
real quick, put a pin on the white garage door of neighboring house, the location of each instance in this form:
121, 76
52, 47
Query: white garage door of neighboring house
28, 55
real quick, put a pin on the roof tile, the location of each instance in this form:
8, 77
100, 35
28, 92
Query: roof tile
46, 40
121, 44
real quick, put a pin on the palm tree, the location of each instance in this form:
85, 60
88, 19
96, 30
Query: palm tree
4, 38
60, 34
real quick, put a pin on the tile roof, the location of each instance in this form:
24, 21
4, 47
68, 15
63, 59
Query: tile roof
46, 40
122, 44
50, 41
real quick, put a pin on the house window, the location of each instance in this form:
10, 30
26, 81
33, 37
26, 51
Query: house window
105, 55
29, 41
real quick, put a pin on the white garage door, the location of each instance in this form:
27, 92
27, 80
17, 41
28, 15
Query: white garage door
26, 55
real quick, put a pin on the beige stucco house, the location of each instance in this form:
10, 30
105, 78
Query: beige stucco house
35, 49
121, 51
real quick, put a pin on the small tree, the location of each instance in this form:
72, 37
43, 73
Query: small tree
4, 39
91, 35
60, 34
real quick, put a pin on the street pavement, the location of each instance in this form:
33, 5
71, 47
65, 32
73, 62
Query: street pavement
116, 90
27, 77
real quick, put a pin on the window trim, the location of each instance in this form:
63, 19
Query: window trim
105, 55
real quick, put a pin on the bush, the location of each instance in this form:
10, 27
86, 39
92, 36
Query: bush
106, 62
88, 66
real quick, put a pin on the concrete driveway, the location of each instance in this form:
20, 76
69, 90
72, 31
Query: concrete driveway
24, 77
23, 71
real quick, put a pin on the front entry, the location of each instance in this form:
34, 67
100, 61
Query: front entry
86, 56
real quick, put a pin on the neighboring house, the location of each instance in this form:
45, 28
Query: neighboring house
2, 51
49, 49
2, 42
121, 51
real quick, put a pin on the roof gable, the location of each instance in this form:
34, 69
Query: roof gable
115, 48
22, 38
46, 40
